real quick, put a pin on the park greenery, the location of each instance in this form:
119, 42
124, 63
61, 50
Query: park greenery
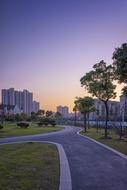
120, 65
11, 129
99, 82
85, 106
29, 166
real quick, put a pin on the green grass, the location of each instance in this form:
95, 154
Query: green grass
114, 142
29, 166
11, 130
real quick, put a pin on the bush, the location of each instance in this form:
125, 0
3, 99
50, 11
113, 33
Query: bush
1, 126
23, 124
125, 132
47, 121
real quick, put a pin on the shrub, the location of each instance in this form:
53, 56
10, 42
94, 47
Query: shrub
1, 126
125, 132
47, 121
23, 124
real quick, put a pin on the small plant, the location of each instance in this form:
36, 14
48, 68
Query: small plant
1, 126
23, 124
46, 121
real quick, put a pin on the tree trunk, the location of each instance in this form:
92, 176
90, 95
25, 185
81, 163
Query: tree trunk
121, 128
75, 118
107, 118
85, 122
88, 121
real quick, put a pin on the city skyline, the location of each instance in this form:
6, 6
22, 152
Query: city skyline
47, 46
22, 99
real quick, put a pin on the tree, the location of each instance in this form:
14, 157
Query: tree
58, 116
85, 106
99, 83
120, 71
48, 113
34, 116
40, 113
75, 112
120, 65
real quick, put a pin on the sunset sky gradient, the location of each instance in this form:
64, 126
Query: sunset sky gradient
46, 46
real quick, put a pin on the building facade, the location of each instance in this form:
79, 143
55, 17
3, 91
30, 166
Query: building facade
23, 99
100, 113
64, 110
35, 107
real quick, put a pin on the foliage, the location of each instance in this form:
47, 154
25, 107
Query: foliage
23, 124
99, 83
46, 121
10, 117
41, 112
85, 106
120, 63
48, 113
58, 115
1, 126
11, 130
75, 112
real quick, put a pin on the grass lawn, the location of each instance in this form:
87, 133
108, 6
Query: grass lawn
29, 166
11, 130
120, 145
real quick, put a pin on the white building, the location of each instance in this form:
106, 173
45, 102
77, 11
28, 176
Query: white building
23, 99
63, 110
5, 97
35, 107
100, 113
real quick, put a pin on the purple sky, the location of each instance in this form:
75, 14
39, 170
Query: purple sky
46, 46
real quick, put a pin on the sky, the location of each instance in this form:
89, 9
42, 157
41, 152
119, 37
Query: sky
46, 46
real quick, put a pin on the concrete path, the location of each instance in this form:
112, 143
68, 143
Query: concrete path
92, 166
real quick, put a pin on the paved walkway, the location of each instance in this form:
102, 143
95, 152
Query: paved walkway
92, 167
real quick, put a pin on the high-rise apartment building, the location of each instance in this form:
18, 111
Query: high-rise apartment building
11, 97
36, 106
23, 99
5, 97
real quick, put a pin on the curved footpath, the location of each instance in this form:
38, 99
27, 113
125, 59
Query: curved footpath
92, 167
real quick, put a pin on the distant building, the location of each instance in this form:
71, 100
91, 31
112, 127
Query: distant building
9, 109
123, 106
35, 107
5, 99
23, 99
100, 113
63, 110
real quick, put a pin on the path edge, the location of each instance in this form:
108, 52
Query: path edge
65, 174
103, 145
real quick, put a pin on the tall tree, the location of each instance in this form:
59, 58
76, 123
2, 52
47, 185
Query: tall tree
99, 83
85, 106
48, 113
41, 112
75, 112
120, 65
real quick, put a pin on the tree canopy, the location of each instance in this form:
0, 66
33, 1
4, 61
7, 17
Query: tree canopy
99, 81
85, 106
120, 63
